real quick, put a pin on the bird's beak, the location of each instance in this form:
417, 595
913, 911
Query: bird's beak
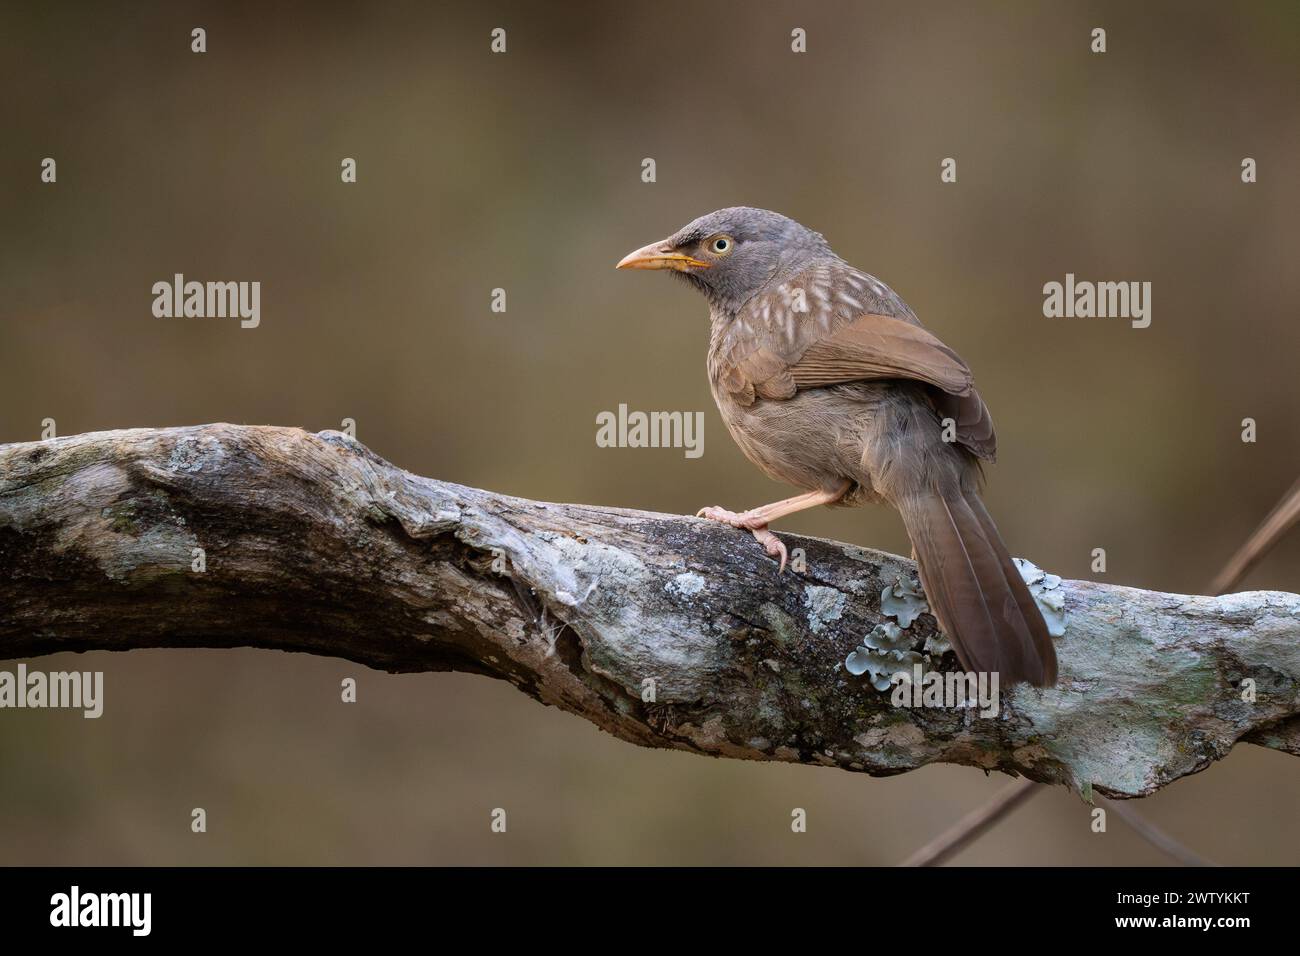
661, 255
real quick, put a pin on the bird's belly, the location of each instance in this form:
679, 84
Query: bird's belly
812, 441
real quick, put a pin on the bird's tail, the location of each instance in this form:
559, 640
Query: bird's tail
975, 590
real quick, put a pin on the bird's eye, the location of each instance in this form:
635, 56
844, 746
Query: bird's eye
721, 245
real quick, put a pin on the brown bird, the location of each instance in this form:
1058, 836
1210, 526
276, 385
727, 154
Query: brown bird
827, 382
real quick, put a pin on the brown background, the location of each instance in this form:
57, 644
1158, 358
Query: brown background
522, 171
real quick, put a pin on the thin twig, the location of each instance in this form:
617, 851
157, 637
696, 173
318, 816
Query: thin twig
1270, 531
971, 826
1157, 837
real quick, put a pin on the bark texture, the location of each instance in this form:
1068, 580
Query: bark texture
663, 630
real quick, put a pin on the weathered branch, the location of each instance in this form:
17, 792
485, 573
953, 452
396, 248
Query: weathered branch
313, 543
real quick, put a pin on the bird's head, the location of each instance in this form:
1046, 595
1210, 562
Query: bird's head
732, 254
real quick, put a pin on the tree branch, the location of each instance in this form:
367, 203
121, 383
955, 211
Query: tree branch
665, 631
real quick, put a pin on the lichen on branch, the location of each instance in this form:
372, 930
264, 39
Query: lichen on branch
665, 631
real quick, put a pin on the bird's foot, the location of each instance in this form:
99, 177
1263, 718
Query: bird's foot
748, 520
752, 522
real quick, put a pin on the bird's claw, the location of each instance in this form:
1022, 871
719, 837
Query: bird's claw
752, 523
772, 545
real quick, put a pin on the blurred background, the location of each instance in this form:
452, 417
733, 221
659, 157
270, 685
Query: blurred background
522, 171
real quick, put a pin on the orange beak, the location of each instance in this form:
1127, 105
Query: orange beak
660, 255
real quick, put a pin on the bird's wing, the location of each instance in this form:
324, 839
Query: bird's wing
880, 346
781, 349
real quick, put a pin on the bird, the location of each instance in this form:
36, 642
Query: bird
828, 382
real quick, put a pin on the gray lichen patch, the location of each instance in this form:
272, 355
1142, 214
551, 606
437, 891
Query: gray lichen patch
589, 571
904, 601
685, 585
824, 606
655, 636
194, 453
1048, 594
885, 651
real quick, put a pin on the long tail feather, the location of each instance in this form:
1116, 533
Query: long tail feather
976, 592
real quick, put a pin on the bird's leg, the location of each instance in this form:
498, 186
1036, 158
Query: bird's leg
765, 515
756, 520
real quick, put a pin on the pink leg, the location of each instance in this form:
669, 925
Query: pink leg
756, 520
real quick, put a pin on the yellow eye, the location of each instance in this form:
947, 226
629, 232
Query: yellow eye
721, 245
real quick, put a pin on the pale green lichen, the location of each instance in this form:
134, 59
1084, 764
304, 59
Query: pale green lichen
887, 650
883, 653
903, 600
1048, 594
824, 606
937, 644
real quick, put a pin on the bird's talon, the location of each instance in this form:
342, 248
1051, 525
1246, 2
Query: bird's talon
772, 545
